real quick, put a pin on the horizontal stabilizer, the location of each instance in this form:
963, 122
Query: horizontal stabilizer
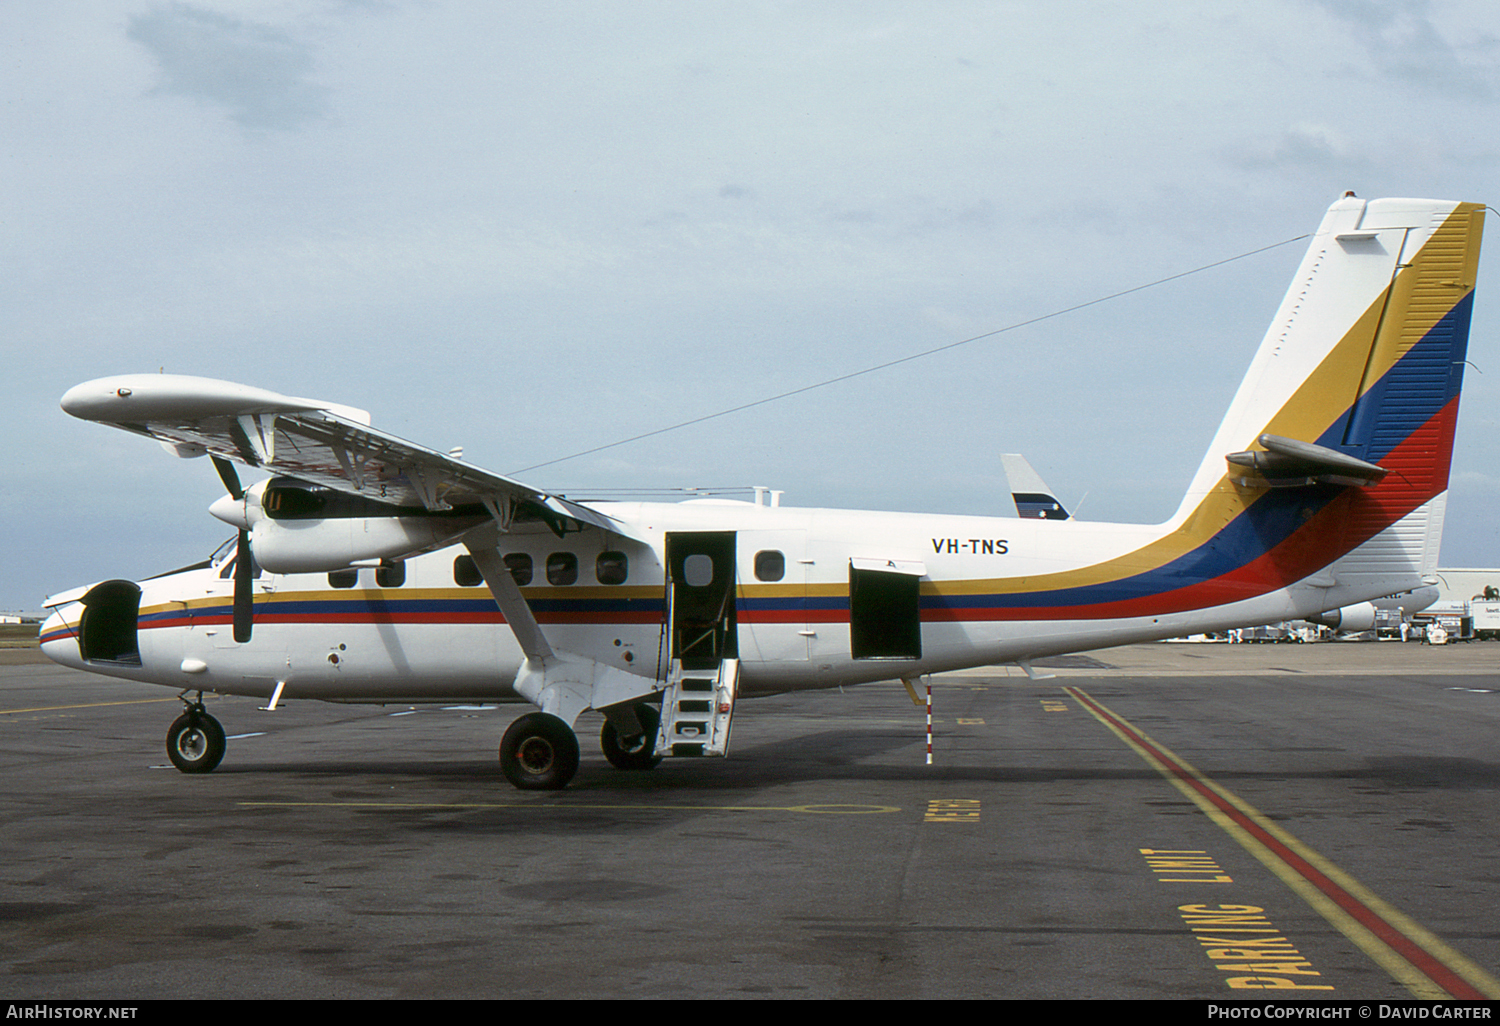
1288, 463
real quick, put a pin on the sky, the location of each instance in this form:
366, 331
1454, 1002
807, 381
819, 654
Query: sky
532, 229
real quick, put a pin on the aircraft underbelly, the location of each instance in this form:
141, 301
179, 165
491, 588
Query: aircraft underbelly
334, 661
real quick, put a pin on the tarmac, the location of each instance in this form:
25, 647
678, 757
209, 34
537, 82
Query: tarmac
1191, 821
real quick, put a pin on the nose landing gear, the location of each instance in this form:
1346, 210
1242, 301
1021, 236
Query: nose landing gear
195, 741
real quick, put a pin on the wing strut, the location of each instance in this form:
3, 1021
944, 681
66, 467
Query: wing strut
508, 597
558, 682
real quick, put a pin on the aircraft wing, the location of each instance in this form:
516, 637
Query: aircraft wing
318, 442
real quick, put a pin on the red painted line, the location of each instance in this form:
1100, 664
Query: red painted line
1419, 957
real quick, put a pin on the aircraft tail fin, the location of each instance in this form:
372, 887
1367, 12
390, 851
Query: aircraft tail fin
1033, 499
1339, 439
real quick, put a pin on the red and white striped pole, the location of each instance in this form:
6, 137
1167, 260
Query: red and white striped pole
929, 721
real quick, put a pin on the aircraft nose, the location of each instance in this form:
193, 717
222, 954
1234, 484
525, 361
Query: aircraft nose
52, 624
58, 640
231, 510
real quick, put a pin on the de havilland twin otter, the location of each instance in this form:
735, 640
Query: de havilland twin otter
370, 569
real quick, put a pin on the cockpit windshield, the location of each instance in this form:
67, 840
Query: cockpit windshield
223, 552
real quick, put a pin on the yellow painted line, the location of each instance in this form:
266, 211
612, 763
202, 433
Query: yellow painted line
814, 810
1417, 958
90, 705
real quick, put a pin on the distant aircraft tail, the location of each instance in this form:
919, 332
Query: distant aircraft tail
1332, 462
1033, 499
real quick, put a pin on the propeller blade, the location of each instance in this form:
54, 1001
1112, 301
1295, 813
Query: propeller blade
244, 598
229, 476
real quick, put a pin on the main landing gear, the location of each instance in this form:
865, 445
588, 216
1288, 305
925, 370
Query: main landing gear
195, 741
632, 752
539, 751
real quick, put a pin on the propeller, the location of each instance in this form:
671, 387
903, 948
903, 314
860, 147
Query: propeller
244, 598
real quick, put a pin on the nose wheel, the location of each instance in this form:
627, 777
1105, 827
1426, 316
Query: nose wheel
195, 741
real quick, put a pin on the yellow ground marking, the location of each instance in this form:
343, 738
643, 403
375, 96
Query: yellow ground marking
952, 810
88, 705
1417, 958
813, 810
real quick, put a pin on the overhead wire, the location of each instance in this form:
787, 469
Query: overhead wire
914, 356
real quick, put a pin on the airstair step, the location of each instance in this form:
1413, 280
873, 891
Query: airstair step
696, 709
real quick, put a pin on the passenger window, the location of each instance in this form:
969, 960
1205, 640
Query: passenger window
770, 565
465, 573
390, 573
611, 568
343, 578
519, 565
562, 568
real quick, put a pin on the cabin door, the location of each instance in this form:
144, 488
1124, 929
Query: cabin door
885, 615
700, 597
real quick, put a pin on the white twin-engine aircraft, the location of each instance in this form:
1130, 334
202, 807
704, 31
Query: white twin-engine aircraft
370, 569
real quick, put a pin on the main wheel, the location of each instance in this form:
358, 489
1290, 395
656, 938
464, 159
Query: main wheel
638, 753
539, 753
195, 742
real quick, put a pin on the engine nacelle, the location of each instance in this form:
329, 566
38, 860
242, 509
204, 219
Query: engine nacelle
317, 546
297, 528
1355, 618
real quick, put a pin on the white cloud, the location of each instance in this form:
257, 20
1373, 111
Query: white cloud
1310, 146
259, 74
1405, 43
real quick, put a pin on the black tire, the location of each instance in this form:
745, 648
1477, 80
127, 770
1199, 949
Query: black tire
641, 755
195, 743
539, 753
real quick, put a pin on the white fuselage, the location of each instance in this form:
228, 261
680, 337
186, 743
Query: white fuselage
433, 639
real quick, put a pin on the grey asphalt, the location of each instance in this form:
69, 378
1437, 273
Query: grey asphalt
366, 852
